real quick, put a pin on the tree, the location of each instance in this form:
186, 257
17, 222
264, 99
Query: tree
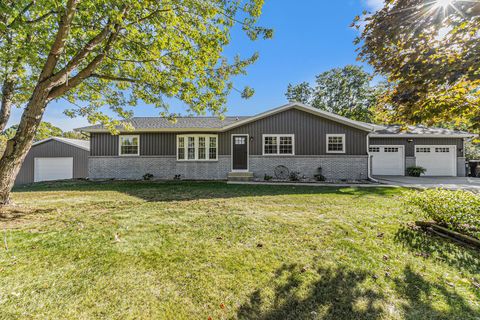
429, 51
345, 91
114, 53
45, 130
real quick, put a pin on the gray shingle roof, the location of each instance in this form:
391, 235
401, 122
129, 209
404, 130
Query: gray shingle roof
396, 129
145, 123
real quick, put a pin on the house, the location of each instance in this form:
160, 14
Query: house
55, 159
297, 136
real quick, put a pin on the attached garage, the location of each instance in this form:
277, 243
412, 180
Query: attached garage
55, 159
438, 160
441, 152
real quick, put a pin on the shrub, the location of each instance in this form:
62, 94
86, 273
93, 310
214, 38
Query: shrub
266, 177
456, 210
147, 176
415, 171
294, 176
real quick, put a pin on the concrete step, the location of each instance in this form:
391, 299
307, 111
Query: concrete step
240, 176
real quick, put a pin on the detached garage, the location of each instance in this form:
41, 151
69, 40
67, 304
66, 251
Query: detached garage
55, 159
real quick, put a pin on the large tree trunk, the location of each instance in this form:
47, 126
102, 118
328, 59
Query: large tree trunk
18, 147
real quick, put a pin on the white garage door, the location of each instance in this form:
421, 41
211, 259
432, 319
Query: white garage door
388, 160
47, 169
438, 160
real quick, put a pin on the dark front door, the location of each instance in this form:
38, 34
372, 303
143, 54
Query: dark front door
240, 152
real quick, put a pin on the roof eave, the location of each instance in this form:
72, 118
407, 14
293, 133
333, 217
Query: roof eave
59, 140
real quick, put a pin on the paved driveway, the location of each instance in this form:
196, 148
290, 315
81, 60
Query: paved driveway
454, 183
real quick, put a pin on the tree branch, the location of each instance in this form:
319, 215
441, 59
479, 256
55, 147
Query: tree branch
88, 70
42, 17
59, 43
113, 78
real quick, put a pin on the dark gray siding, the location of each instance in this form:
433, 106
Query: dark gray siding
310, 133
53, 148
409, 146
103, 144
310, 136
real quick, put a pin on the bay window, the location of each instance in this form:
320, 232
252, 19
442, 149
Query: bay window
197, 147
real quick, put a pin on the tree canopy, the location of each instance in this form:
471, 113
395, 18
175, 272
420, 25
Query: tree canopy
430, 53
45, 130
111, 53
345, 91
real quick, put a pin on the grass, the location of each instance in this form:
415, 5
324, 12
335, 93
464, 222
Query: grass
143, 250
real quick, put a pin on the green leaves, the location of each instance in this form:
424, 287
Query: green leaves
151, 50
345, 91
430, 56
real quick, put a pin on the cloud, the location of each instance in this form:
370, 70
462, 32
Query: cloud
374, 5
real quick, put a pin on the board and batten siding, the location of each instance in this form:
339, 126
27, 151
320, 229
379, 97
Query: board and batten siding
310, 133
53, 148
410, 146
310, 136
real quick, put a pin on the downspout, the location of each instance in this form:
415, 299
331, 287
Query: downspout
369, 163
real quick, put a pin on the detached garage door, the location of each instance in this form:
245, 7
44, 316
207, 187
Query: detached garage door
388, 160
438, 160
47, 169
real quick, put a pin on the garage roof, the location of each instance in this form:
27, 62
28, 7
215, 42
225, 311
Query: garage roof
82, 144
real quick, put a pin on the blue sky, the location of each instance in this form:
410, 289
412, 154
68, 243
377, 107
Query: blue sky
311, 36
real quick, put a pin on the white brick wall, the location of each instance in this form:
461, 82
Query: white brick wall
334, 167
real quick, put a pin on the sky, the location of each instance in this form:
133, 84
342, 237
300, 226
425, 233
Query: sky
310, 37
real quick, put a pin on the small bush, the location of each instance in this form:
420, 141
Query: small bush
456, 210
415, 171
319, 176
177, 177
266, 177
147, 176
294, 176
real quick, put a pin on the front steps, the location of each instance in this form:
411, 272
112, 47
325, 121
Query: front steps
240, 176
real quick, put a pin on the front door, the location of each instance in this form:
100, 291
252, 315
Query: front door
240, 152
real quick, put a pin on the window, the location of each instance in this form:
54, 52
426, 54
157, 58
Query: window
374, 149
129, 145
196, 147
335, 143
423, 150
278, 144
390, 149
442, 150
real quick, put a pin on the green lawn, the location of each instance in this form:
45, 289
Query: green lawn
124, 250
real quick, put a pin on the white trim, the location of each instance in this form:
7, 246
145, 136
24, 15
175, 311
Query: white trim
59, 139
433, 146
196, 137
248, 151
328, 135
278, 145
307, 108
402, 147
420, 135
120, 145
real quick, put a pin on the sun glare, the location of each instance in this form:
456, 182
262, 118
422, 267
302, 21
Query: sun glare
443, 3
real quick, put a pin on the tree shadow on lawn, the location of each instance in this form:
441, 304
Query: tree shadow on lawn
154, 191
431, 246
340, 293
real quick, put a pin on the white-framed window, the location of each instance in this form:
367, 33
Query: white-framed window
374, 149
391, 149
335, 143
442, 150
129, 145
278, 144
197, 147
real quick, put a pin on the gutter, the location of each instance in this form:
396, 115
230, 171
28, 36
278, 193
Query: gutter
369, 164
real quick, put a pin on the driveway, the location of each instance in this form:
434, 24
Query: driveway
453, 183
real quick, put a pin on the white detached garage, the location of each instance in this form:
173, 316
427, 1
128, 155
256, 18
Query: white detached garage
55, 159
